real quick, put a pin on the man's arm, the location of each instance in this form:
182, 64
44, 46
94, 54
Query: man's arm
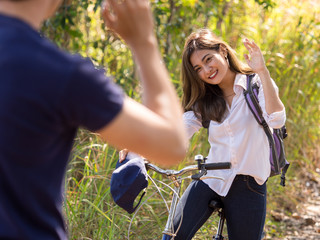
155, 130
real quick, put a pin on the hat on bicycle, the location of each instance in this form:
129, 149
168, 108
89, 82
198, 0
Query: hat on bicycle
127, 181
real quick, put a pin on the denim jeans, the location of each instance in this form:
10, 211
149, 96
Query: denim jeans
244, 205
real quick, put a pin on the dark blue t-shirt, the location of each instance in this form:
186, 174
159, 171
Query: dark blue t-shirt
45, 95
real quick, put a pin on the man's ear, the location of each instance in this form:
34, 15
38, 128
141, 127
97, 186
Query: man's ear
54, 6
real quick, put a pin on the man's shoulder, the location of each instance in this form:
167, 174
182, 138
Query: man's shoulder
40, 55
25, 46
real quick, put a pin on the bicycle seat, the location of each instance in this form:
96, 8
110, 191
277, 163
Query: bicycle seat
215, 204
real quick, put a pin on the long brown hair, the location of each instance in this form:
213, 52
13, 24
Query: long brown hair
206, 100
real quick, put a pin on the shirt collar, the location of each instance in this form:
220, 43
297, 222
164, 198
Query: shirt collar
241, 81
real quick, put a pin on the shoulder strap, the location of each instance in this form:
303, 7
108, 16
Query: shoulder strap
251, 96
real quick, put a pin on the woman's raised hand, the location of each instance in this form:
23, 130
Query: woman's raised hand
255, 58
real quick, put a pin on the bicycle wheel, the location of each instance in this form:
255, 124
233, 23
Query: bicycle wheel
151, 216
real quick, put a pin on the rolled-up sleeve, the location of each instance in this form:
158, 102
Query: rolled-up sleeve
192, 123
275, 119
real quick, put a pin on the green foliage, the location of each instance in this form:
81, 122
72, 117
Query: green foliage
266, 3
287, 32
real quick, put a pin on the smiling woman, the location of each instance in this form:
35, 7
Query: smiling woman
214, 81
206, 62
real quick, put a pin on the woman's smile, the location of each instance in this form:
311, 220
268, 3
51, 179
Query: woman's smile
213, 75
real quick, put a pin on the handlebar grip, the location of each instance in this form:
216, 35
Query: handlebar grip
219, 165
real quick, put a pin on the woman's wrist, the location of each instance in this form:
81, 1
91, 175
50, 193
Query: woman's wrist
263, 73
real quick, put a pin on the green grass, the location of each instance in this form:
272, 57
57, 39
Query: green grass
289, 38
89, 207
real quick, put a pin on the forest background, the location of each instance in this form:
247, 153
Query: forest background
288, 32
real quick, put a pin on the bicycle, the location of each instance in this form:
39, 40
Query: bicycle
175, 177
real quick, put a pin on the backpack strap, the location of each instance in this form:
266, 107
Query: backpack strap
283, 174
251, 96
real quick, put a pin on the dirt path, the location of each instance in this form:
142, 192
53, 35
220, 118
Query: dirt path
304, 223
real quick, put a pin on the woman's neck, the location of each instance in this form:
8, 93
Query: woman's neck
227, 84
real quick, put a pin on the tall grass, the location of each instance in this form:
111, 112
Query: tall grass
289, 37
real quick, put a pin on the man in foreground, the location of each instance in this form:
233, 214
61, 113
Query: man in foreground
47, 94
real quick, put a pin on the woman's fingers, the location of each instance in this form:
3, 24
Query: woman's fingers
250, 45
255, 45
246, 57
247, 44
122, 154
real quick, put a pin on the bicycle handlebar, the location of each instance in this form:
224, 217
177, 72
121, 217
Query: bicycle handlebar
219, 165
202, 167
170, 172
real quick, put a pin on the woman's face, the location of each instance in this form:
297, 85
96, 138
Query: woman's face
210, 65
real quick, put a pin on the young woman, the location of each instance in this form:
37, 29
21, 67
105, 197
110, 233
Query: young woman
213, 83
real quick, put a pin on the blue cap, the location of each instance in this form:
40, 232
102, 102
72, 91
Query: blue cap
127, 181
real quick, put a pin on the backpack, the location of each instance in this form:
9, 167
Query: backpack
278, 161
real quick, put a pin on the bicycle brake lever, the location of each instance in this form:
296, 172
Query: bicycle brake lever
202, 172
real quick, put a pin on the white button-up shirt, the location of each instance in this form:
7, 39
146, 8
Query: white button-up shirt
238, 139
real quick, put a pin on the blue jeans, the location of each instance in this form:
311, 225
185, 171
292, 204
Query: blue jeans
244, 205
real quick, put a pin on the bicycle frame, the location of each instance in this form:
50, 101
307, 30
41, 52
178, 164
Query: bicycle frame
168, 232
175, 176
220, 226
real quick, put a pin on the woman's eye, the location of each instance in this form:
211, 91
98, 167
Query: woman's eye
209, 59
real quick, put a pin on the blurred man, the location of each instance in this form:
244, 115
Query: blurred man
47, 94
